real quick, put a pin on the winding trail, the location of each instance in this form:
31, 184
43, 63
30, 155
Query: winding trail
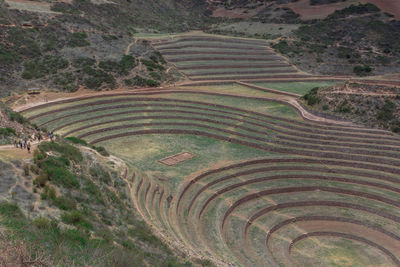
128, 48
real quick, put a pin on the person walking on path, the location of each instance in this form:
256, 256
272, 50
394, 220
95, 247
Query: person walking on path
39, 136
16, 143
20, 144
25, 140
51, 136
28, 147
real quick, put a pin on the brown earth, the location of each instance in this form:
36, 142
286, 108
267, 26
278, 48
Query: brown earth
307, 11
176, 159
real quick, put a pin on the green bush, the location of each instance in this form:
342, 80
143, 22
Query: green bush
311, 97
76, 237
15, 116
39, 68
109, 66
66, 150
7, 131
386, 113
152, 83
76, 140
282, 47
76, 218
127, 63
122, 67
66, 81
42, 223
7, 56
97, 78
110, 37
78, 39
155, 75
354, 9
136, 81
322, 2
49, 193
362, 70
151, 65
343, 107
65, 203
159, 57
94, 191
83, 62
10, 210
140, 81
396, 127
59, 174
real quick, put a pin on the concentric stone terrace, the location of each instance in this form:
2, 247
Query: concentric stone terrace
266, 187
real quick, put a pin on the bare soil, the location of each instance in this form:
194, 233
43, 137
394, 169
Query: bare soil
176, 159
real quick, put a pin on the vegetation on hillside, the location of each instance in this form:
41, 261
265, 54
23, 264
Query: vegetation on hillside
90, 219
13, 125
371, 105
358, 40
85, 44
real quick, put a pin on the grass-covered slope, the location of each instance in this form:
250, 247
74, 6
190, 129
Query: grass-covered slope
70, 207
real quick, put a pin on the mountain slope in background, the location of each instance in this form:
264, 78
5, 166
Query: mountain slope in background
67, 45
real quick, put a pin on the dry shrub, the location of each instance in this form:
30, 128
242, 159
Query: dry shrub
16, 254
26, 169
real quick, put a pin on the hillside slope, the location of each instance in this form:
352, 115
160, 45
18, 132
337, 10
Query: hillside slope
359, 40
70, 206
60, 45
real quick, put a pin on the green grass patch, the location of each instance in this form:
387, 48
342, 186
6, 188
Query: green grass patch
144, 152
300, 88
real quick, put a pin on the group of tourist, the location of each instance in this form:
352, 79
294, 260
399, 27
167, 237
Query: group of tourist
25, 143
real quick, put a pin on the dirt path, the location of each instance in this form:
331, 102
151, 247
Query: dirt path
306, 114
128, 48
362, 93
293, 102
33, 144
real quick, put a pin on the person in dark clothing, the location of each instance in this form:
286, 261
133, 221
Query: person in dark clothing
28, 147
20, 144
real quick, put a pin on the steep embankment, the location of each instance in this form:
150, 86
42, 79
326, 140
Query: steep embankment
70, 205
